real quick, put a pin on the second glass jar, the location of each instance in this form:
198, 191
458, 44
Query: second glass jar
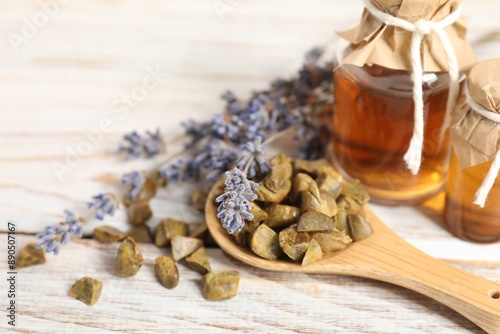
462, 217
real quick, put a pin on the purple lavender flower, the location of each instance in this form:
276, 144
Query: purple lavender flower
55, 236
216, 157
278, 115
136, 180
314, 142
153, 143
103, 204
252, 158
251, 119
149, 145
313, 55
241, 121
235, 201
132, 145
285, 104
197, 130
228, 96
311, 75
181, 170
217, 128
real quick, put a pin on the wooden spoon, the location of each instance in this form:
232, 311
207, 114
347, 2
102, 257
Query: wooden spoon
385, 256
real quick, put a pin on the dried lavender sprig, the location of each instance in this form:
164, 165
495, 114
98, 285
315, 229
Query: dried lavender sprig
288, 105
132, 145
315, 143
135, 180
153, 143
235, 201
210, 160
285, 104
103, 204
252, 159
181, 170
215, 157
149, 145
55, 236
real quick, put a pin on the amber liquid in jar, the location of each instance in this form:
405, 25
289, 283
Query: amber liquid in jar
465, 219
372, 126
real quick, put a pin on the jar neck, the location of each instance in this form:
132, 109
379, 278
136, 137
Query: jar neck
379, 78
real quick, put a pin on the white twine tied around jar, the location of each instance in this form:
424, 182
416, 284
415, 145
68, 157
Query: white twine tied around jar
419, 29
489, 181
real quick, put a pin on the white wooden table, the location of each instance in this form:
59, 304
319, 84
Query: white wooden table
61, 77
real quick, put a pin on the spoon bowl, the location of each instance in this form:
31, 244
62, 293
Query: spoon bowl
384, 256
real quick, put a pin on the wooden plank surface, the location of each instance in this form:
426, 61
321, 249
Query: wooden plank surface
63, 78
267, 302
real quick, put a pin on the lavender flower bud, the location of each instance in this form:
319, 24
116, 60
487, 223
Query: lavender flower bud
181, 170
235, 201
252, 158
149, 145
58, 235
136, 180
103, 204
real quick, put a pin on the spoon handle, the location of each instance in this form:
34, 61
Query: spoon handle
396, 261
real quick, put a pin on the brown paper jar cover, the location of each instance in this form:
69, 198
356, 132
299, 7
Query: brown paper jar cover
377, 43
476, 139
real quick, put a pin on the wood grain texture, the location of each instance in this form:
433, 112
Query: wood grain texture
268, 302
71, 74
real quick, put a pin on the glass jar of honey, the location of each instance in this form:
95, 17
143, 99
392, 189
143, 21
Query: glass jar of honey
389, 98
472, 210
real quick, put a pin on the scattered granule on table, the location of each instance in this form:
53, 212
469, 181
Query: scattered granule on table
198, 261
139, 213
87, 290
199, 199
184, 246
220, 285
108, 234
199, 232
168, 229
128, 259
167, 271
30, 256
141, 234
